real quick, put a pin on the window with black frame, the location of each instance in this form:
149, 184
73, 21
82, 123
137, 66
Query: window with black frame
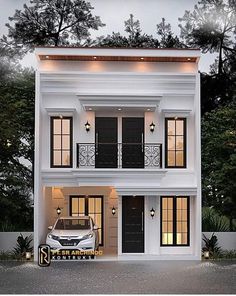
175, 221
175, 142
61, 142
89, 206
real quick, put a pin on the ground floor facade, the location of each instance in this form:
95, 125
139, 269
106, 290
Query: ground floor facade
163, 226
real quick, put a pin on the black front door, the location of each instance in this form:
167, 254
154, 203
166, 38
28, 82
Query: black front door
132, 224
105, 142
133, 142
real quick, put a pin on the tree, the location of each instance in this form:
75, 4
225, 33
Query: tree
167, 37
16, 143
134, 39
211, 26
219, 160
52, 22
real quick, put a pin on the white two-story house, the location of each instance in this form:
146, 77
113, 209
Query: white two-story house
117, 137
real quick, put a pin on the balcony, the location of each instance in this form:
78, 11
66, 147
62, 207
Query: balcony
119, 155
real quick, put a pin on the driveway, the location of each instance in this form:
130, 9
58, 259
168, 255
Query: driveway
83, 277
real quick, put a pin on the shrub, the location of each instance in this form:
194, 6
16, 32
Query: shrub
211, 245
211, 221
23, 245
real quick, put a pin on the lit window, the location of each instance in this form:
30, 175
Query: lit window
175, 221
61, 142
175, 143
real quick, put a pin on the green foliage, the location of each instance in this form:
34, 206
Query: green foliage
23, 245
211, 26
219, 160
52, 22
211, 245
16, 143
228, 254
213, 222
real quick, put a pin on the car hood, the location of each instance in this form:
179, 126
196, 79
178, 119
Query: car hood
67, 233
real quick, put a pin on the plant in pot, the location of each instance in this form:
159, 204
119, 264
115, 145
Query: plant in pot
211, 248
23, 247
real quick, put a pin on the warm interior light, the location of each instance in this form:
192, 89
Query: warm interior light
119, 109
113, 211
141, 58
148, 109
47, 57
87, 126
189, 59
58, 210
90, 109
95, 58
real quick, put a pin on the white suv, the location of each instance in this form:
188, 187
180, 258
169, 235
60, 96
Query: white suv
78, 233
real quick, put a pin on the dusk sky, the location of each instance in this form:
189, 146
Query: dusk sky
113, 13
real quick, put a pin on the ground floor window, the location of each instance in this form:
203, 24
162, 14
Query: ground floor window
89, 206
175, 221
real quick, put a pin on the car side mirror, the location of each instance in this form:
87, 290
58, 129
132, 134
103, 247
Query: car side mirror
95, 227
49, 227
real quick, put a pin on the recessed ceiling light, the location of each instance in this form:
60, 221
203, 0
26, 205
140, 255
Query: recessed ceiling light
90, 109
47, 57
148, 109
189, 59
141, 58
119, 109
95, 58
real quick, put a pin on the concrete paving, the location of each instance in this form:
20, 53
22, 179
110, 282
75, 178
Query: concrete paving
130, 277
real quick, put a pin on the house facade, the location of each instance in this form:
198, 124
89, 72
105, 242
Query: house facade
117, 137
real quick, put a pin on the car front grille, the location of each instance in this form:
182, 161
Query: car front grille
69, 242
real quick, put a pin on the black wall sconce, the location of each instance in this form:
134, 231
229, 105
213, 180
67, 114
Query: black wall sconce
113, 211
152, 127
58, 211
87, 126
152, 213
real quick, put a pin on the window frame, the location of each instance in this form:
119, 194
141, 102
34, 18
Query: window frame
52, 118
175, 221
86, 209
184, 144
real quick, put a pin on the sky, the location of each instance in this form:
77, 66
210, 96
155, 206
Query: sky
114, 12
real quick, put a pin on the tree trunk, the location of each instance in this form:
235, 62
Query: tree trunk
220, 65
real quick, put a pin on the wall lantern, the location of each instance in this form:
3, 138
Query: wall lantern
58, 211
87, 126
113, 211
28, 255
152, 213
206, 254
152, 127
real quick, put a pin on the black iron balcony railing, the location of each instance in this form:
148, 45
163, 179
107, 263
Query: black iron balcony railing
119, 155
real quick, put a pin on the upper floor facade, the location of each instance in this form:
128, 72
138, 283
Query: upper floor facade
118, 117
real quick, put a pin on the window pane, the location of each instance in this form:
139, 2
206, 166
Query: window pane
171, 127
66, 157
170, 226
98, 202
164, 202
164, 215
57, 157
66, 142
82, 206
171, 158
66, 126
179, 158
179, 143
91, 205
170, 203
164, 227
75, 206
57, 126
179, 127
171, 142
56, 142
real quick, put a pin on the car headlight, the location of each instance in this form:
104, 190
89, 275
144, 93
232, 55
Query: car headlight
89, 235
53, 236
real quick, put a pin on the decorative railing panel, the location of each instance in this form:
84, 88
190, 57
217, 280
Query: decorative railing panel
119, 155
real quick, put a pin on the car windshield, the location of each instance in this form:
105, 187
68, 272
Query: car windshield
72, 224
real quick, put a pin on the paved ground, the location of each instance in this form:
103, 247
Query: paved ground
119, 277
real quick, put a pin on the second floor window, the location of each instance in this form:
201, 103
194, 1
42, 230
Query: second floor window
61, 142
175, 142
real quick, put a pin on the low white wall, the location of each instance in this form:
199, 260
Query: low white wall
8, 239
226, 240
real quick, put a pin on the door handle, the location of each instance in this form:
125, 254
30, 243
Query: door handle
142, 142
142, 221
96, 140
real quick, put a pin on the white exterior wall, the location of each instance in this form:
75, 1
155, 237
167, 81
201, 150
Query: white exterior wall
174, 87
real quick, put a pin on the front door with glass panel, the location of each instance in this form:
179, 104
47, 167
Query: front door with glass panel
89, 206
